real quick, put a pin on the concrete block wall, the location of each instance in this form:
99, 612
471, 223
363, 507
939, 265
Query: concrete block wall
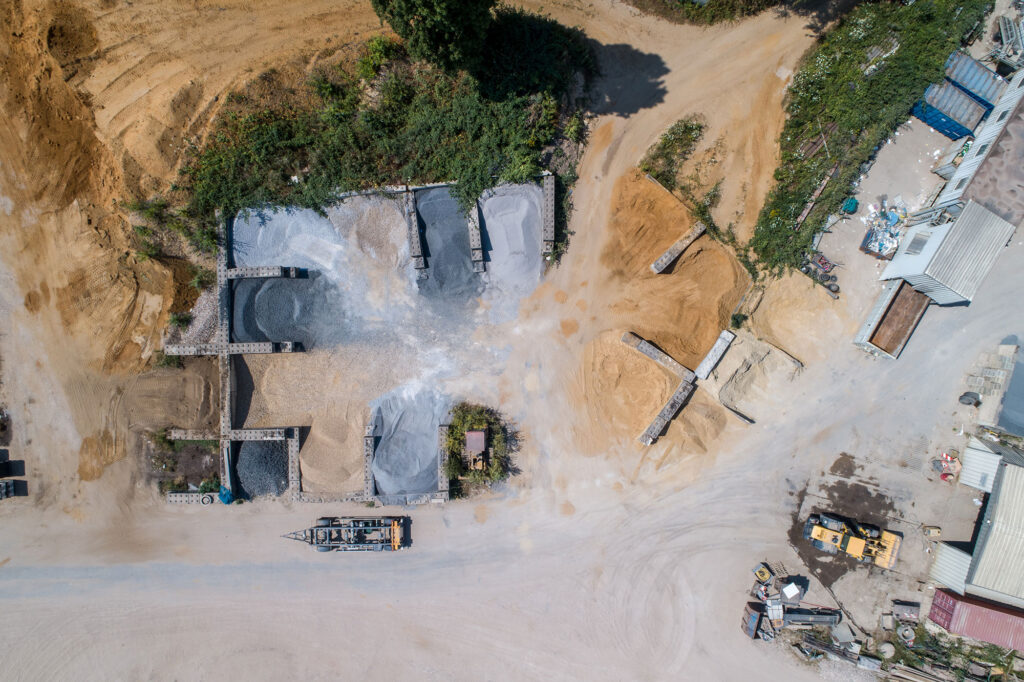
674, 251
548, 211
412, 227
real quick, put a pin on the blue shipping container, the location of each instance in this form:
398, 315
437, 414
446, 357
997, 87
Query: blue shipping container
974, 79
947, 109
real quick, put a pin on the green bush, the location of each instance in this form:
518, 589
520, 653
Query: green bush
664, 159
181, 320
379, 51
854, 104
448, 33
202, 278
422, 125
210, 485
737, 320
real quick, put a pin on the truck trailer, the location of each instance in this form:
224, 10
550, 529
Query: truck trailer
355, 534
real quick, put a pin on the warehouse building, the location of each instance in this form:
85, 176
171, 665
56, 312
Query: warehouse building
991, 570
999, 136
942, 259
949, 260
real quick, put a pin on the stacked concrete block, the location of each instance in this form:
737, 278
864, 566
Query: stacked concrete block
707, 365
412, 226
475, 243
549, 213
667, 413
658, 355
666, 259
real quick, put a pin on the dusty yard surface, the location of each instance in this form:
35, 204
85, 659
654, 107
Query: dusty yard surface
603, 560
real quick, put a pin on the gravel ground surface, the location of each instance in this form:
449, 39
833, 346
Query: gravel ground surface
204, 321
262, 468
405, 461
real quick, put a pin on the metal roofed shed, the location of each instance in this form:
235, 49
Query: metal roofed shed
999, 552
476, 442
951, 567
949, 110
1009, 117
979, 82
978, 619
980, 466
948, 262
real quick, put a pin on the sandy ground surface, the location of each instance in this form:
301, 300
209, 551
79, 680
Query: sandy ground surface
600, 561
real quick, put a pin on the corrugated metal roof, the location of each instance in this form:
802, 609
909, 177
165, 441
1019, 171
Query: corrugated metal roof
980, 466
950, 567
979, 620
984, 140
972, 75
970, 250
999, 553
954, 103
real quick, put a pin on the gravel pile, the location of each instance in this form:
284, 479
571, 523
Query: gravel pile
308, 310
450, 275
511, 231
405, 460
262, 468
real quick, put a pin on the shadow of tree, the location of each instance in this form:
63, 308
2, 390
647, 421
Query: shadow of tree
819, 13
630, 80
533, 54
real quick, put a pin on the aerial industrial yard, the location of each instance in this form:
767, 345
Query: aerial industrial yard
559, 416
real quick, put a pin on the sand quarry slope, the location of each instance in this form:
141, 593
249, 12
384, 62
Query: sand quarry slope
98, 99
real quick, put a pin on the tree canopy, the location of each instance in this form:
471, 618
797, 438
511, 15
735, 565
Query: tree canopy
448, 33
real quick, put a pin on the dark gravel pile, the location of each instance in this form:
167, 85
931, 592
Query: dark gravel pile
262, 468
307, 310
449, 258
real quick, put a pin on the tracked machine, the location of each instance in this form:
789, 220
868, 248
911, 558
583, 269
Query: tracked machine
355, 534
866, 543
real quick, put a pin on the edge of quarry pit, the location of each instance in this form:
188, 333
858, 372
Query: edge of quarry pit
601, 560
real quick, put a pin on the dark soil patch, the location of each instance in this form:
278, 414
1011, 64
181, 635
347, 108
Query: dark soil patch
844, 498
70, 36
844, 466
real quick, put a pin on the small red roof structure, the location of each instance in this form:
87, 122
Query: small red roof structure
476, 442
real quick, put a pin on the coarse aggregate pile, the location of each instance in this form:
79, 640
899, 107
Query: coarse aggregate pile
405, 460
262, 468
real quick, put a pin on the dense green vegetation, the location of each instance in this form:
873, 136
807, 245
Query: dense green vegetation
391, 119
471, 417
447, 33
686, 11
847, 98
664, 160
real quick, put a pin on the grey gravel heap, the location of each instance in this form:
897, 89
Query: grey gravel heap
261, 468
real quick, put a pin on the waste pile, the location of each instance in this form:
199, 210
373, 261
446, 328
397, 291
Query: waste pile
886, 223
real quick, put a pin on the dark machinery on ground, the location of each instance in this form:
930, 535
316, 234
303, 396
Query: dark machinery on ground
866, 543
355, 534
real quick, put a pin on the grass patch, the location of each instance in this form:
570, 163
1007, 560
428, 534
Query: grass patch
664, 160
169, 361
850, 94
181, 320
390, 119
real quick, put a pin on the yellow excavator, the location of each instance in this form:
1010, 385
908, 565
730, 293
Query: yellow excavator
863, 542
